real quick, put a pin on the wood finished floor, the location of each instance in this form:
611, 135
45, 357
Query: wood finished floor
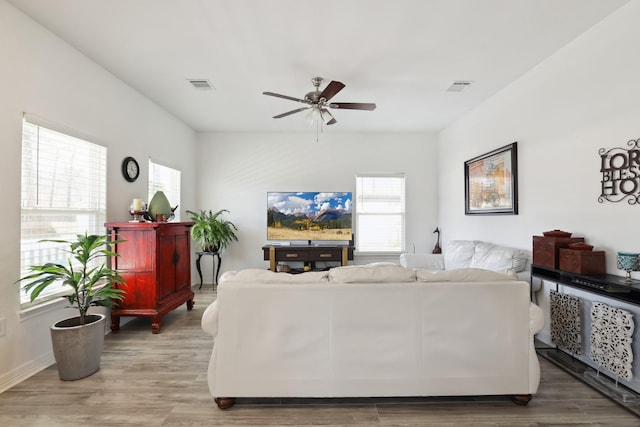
160, 380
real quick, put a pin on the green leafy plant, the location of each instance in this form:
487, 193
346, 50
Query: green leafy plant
210, 231
91, 285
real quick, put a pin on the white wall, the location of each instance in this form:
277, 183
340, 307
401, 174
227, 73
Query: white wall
43, 76
583, 98
237, 170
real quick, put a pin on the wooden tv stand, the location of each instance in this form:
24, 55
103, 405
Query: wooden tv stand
308, 254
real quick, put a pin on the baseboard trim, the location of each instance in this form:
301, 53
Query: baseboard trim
26, 370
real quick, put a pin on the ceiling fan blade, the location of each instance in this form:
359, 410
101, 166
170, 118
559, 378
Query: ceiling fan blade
290, 98
331, 90
327, 117
353, 105
288, 113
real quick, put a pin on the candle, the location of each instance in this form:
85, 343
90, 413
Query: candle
137, 205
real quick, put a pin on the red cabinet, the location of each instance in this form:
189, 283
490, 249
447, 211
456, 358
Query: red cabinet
155, 262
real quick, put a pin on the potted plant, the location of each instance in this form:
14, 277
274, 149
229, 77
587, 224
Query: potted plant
78, 341
210, 231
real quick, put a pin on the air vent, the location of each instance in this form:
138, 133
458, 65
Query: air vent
459, 85
201, 84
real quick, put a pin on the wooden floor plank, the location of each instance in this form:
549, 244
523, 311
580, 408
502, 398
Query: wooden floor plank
160, 380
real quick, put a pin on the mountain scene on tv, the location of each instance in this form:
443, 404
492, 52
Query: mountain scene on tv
309, 216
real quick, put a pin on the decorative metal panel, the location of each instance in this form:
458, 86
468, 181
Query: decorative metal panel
611, 337
566, 324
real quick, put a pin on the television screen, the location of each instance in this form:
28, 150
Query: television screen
308, 216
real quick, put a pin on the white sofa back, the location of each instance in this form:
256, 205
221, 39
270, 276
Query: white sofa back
470, 254
344, 333
488, 256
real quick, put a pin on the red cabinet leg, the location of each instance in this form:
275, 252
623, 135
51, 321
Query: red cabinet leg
115, 323
156, 323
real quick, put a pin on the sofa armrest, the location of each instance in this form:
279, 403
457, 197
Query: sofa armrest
536, 323
209, 321
536, 319
422, 261
525, 276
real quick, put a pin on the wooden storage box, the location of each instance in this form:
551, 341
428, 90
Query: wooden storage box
546, 249
582, 262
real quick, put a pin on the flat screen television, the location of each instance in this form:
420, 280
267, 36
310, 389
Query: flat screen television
311, 216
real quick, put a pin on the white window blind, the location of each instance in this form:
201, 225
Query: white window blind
165, 179
63, 193
380, 213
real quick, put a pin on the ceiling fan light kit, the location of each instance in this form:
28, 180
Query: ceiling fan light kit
318, 102
313, 115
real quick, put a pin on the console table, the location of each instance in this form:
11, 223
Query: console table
608, 285
307, 254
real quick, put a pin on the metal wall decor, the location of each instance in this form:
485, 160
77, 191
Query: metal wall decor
620, 168
611, 338
566, 325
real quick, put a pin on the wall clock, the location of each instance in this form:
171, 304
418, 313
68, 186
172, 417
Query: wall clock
130, 169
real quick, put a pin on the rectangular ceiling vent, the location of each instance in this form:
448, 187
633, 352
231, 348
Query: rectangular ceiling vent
201, 84
459, 85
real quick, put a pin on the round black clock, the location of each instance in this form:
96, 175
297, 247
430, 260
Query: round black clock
130, 169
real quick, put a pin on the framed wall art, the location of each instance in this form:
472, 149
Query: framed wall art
491, 182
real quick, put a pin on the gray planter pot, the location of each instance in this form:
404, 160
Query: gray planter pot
78, 348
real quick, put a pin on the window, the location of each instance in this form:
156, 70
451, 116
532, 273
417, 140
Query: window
380, 213
165, 179
63, 194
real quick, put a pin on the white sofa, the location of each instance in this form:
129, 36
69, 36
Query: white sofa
474, 254
372, 331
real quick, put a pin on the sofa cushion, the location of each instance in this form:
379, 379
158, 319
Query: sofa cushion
458, 254
464, 275
423, 261
371, 273
267, 276
497, 258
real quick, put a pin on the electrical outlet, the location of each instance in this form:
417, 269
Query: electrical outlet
3, 326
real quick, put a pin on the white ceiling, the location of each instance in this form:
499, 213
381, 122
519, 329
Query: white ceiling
400, 54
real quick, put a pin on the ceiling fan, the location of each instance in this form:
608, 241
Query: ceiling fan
318, 102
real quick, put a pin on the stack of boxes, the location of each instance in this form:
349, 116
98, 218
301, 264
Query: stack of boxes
552, 250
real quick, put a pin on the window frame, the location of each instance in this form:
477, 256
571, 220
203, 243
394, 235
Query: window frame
38, 181
399, 210
154, 186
